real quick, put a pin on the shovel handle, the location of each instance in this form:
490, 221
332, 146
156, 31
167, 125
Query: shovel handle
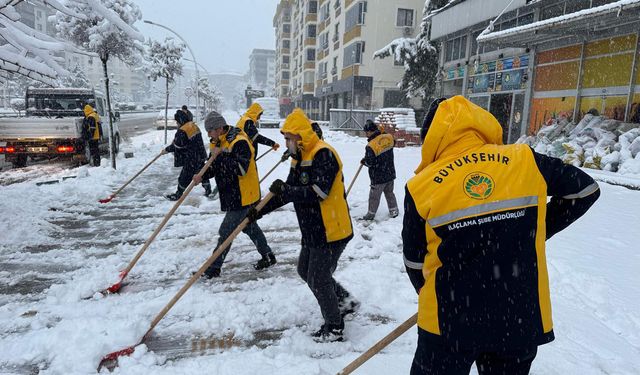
136, 175
375, 349
168, 216
264, 153
354, 179
219, 250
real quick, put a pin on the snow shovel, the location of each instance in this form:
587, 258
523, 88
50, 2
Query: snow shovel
115, 288
263, 154
110, 198
219, 250
375, 349
354, 179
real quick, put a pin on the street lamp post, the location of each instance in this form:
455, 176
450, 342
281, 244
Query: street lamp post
195, 64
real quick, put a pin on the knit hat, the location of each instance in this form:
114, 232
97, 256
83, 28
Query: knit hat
214, 121
370, 126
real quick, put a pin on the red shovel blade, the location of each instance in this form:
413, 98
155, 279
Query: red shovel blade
106, 200
114, 357
115, 288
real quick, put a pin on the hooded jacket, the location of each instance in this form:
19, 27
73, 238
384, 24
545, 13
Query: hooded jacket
235, 171
315, 185
247, 124
188, 146
378, 157
476, 220
91, 123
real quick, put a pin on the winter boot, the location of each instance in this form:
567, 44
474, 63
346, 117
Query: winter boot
207, 190
175, 196
267, 261
394, 212
369, 216
348, 306
329, 333
210, 273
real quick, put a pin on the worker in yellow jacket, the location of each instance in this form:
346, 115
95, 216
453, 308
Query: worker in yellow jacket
475, 224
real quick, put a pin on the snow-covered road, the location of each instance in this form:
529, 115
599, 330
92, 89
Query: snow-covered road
59, 246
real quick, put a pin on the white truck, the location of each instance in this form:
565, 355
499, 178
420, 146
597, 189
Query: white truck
271, 112
52, 127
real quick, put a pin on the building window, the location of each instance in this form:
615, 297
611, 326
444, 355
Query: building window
311, 31
285, 59
324, 40
39, 27
286, 28
336, 5
285, 75
355, 15
324, 12
336, 32
313, 7
455, 49
311, 54
353, 54
404, 18
334, 69
286, 44
38, 14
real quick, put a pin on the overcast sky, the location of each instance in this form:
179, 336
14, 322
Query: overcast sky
221, 33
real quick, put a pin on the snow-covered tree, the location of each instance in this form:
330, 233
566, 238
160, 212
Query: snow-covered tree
30, 52
76, 78
164, 62
419, 57
107, 30
210, 95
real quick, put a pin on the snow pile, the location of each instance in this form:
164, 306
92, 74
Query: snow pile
397, 118
595, 142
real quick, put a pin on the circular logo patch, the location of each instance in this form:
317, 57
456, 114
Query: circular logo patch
478, 185
304, 178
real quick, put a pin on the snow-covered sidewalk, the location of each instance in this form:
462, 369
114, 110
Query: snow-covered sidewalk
59, 246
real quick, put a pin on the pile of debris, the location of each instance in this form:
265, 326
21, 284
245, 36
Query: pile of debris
595, 142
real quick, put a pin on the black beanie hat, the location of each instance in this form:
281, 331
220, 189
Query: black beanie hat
181, 117
370, 126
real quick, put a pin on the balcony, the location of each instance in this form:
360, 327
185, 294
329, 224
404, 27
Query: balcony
312, 17
310, 42
349, 71
308, 88
310, 65
347, 3
352, 34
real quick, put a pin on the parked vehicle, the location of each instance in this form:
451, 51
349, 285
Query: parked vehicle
52, 127
171, 123
271, 116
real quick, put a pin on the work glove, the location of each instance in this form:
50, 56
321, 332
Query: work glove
278, 187
363, 162
285, 156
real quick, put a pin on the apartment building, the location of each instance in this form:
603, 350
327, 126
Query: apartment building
262, 70
282, 26
544, 59
333, 42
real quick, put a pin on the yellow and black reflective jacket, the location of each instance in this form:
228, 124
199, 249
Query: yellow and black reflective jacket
248, 124
92, 123
315, 185
188, 146
476, 220
235, 171
378, 158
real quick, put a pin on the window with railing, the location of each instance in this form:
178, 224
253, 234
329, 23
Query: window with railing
311, 54
324, 12
336, 32
353, 54
455, 49
286, 28
324, 40
313, 7
355, 16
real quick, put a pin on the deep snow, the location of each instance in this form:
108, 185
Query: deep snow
59, 234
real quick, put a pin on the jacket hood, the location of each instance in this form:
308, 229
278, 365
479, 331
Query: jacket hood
87, 110
298, 123
457, 127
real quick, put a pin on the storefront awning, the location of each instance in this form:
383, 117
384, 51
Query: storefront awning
623, 13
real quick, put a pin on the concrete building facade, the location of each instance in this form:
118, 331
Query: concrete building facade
332, 45
543, 59
282, 26
262, 70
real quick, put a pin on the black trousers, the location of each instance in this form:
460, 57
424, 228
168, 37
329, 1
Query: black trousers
316, 266
94, 152
186, 175
434, 358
